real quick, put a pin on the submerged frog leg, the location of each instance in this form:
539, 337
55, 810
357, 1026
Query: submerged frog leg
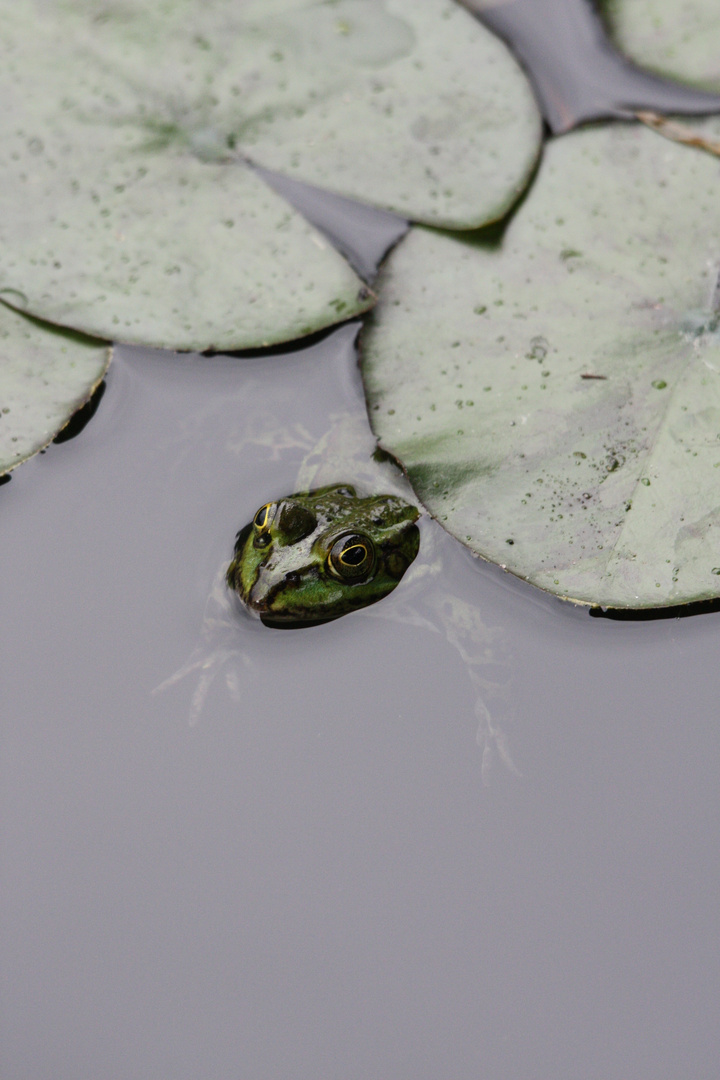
482, 650
217, 646
264, 432
477, 645
491, 739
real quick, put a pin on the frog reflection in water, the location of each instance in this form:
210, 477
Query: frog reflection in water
316, 555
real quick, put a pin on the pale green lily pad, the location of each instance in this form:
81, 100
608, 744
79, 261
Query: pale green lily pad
103, 231
128, 208
554, 390
46, 375
678, 38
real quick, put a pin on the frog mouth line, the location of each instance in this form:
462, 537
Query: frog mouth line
289, 617
261, 605
291, 621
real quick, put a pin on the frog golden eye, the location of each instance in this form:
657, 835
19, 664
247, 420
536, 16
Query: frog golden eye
352, 557
264, 516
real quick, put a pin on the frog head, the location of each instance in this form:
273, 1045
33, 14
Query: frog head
316, 555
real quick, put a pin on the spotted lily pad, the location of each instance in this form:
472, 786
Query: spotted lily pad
679, 38
129, 206
553, 388
46, 374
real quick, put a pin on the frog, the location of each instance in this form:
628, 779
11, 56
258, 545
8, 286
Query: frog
342, 468
314, 556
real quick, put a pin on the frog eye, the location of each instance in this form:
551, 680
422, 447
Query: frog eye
264, 516
352, 557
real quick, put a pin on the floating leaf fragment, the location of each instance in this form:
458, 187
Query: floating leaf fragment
680, 132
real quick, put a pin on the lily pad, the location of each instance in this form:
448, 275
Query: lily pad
553, 388
129, 207
679, 38
47, 374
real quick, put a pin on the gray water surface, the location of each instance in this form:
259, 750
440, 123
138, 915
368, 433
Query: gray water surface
380, 848
314, 880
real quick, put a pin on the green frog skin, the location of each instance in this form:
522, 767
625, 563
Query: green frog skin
316, 555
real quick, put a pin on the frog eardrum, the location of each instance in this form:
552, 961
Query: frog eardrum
316, 555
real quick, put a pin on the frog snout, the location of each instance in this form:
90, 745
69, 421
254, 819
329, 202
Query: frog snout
267, 586
258, 597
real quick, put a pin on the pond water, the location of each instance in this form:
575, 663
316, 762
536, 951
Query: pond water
365, 849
